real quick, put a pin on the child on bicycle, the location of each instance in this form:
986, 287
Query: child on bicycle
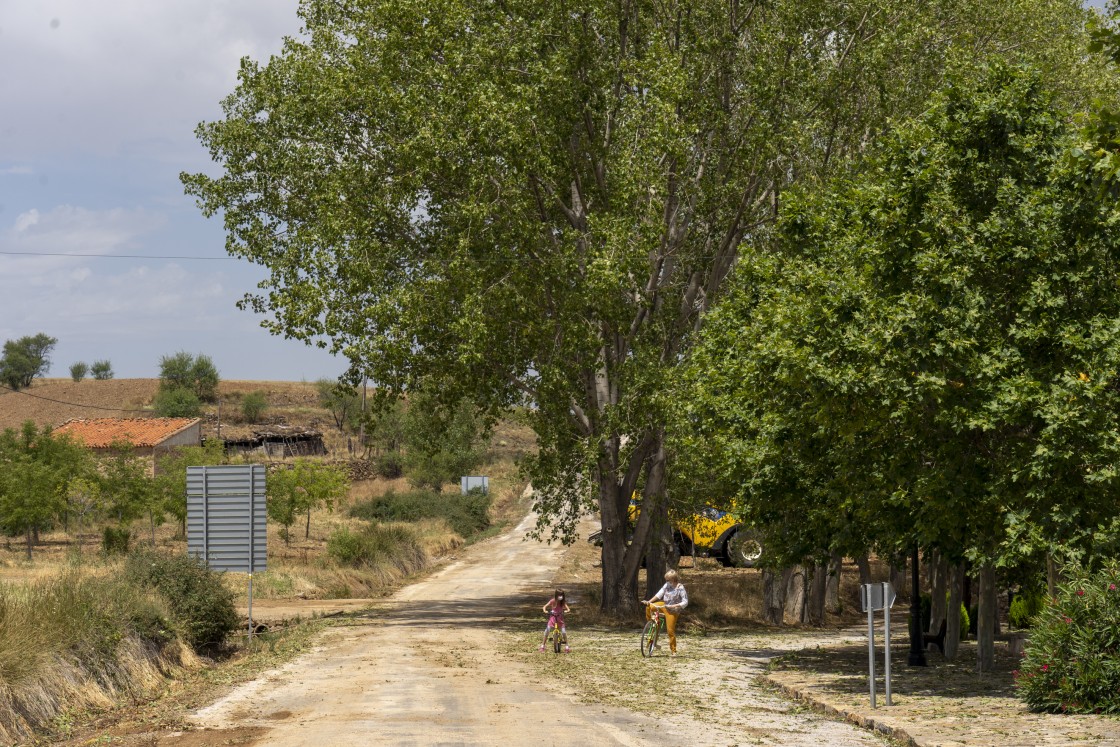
672, 599
555, 609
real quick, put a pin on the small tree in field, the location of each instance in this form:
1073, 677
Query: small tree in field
443, 442
340, 399
177, 403
253, 406
129, 491
306, 486
185, 371
78, 370
26, 358
171, 475
101, 370
35, 470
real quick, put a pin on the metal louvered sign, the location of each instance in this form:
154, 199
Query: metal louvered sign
226, 517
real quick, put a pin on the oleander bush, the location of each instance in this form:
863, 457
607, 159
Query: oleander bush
1072, 661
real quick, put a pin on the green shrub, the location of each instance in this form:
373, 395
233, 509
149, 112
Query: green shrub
1072, 661
390, 466
1025, 607
101, 370
115, 540
78, 370
466, 514
253, 406
379, 546
177, 403
201, 607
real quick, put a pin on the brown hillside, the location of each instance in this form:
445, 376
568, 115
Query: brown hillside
54, 401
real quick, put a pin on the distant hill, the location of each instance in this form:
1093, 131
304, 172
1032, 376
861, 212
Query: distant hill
54, 401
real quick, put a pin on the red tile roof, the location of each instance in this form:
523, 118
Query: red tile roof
98, 433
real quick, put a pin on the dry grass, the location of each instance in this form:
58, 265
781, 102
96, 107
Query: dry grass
79, 642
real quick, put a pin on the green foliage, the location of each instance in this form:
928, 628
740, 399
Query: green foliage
466, 514
180, 402
126, 487
26, 358
36, 470
253, 406
202, 609
171, 474
1072, 663
78, 370
116, 540
76, 619
559, 196
395, 545
1025, 607
193, 373
341, 400
442, 443
390, 466
101, 370
930, 357
304, 486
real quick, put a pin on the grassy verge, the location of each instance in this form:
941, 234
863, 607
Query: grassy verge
81, 642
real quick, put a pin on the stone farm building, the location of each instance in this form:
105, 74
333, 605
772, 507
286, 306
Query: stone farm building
147, 436
270, 441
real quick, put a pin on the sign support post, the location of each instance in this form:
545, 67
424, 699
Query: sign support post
874, 597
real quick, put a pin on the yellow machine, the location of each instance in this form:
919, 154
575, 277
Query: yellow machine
710, 532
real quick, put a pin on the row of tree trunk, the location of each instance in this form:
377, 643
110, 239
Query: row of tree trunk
803, 593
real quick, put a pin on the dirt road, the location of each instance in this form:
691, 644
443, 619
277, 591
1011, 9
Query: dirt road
425, 669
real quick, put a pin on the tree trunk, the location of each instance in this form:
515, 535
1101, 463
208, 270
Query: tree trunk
307, 530
1053, 577
986, 624
898, 575
818, 589
864, 569
774, 595
658, 547
832, 587
29, 542
35, 533
939, 581
953, 611
621, 562
796, 595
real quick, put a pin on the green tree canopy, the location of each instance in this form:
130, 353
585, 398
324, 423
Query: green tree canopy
26, 358
101, 370
195, 373
36, 469
932, 357
302, 487
529, 203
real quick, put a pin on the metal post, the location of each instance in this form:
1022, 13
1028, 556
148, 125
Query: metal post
205, 519
887, 640
250, 608
917, 656
871, 646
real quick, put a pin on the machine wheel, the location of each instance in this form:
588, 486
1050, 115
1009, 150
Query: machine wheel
744, 549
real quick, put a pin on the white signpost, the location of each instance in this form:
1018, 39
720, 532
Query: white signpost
874, 597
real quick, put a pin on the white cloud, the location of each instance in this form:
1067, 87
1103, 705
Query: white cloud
26, 220
125, 76
16, 171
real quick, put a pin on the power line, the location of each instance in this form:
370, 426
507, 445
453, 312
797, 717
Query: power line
109, 256
72, 404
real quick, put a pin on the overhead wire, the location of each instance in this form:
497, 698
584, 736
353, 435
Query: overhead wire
72, 404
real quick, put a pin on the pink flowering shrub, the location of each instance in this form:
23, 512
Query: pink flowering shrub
1072, 662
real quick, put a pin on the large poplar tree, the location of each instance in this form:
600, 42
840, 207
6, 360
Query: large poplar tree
530, 201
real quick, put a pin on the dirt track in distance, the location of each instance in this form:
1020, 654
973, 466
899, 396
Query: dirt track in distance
425, 668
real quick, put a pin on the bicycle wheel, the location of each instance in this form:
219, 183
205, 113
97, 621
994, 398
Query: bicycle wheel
649, 637
556, 640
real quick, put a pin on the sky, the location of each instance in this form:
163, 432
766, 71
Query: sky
98, 105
